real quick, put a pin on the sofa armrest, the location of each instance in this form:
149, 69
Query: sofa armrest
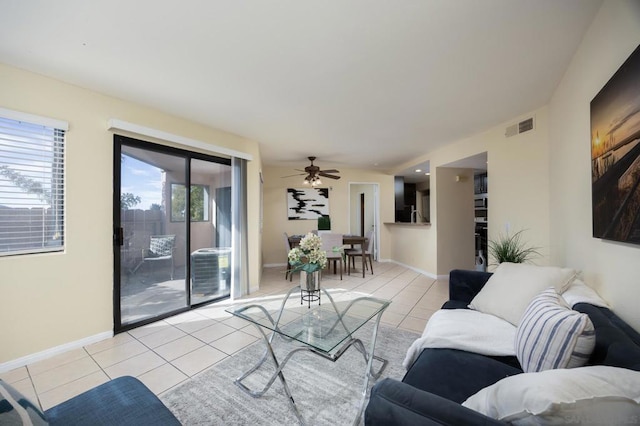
465, 284
397, 403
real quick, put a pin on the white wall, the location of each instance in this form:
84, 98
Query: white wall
518, 173
51, 300
612, 268
541, 180
275, 208
413, 246
354, 204
456, 228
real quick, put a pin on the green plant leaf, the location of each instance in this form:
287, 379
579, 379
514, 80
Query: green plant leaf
511, 248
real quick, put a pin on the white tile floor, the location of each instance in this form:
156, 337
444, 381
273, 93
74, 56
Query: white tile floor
166, 353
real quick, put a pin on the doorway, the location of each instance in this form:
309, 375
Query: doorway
364, 208
172, 239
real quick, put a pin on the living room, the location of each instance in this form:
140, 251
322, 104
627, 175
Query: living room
540, 181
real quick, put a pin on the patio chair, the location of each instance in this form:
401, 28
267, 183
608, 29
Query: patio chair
160, 249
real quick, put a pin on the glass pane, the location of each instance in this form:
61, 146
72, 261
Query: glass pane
153, 261
210, 250
322, 326
199, 202
31, 188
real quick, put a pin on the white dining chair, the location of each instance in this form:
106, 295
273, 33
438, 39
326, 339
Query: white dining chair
332, 244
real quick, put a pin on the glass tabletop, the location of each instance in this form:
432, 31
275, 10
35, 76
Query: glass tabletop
322, 327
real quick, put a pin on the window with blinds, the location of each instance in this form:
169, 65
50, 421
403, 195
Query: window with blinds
31, 187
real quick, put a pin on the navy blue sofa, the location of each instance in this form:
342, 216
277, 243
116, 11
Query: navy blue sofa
124, 401
441, 379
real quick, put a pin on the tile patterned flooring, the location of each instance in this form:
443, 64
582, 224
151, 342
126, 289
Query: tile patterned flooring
169, 352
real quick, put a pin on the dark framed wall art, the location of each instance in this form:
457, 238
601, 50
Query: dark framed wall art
615, 155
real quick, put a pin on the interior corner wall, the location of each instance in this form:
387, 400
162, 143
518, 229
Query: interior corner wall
612, 268
518, 180
518, 176
55, 299
455, 219
275, 209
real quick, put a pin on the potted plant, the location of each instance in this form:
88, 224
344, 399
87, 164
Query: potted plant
511, 248
309, 259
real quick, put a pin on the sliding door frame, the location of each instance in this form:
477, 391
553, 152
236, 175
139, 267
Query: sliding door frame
118, 142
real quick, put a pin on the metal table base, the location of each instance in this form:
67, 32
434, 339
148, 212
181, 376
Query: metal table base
368, 355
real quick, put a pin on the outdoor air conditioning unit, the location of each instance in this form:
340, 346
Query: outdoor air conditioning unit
520, 127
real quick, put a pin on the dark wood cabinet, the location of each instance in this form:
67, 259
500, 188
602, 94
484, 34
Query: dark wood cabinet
399, 191
405, 198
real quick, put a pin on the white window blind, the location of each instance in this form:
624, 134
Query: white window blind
31, 187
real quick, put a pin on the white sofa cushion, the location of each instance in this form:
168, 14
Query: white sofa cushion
551, 335
579, 292
594, 395
464, 330
513, 285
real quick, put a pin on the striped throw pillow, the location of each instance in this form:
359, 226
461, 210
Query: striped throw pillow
551, 335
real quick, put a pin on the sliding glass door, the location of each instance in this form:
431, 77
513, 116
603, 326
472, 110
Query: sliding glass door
210, 247
172, 243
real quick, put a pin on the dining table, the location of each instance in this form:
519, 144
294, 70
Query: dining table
347, 239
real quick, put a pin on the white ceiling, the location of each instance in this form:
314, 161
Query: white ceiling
353, 82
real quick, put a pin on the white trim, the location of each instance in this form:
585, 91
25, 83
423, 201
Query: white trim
273, 265
376, 214
420, 271
116, 124
39, 356
34, 119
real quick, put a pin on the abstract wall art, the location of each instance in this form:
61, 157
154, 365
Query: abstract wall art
307, 203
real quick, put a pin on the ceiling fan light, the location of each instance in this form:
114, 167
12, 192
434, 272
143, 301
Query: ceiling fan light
318, 181
306, 182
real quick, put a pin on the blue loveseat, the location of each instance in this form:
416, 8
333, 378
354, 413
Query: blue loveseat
124, 401
436, 384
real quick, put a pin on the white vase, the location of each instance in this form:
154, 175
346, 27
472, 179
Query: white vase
310, 281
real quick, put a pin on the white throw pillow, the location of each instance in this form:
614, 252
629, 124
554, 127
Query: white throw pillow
595, 395
551, 335
579, 292
513, 285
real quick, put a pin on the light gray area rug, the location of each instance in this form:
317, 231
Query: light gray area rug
326, 393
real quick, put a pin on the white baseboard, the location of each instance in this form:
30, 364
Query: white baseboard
420, 271
39, 356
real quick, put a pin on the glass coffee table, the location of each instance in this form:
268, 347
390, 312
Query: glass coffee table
326, 330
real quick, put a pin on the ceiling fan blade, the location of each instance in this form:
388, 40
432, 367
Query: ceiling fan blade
330, 171
323, 174
297, 174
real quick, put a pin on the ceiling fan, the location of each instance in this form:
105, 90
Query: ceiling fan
314, 173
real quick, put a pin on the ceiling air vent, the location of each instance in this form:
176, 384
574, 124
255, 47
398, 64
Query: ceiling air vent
521, 127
